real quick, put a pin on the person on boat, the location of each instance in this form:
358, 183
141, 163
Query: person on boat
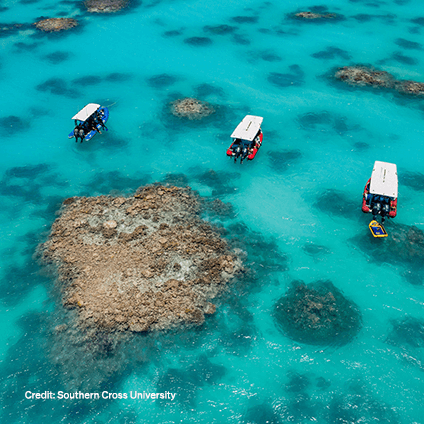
244, 153
79, 133
98, 119
93, 126
236, 148
380, 205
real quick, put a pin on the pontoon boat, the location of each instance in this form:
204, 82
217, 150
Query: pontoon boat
381, 193
89, 121
247, 138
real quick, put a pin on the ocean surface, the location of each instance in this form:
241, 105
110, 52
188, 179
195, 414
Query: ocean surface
297, 205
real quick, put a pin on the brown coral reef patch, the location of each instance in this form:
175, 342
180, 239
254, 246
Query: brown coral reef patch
105, 6
138, 263
314, 15
56, 24
368, 76
191, 108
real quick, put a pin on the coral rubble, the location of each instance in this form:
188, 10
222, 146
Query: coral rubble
105, 6
317, 314
314, 15
368, 76
56, 24
363, 75
138, 263
191, 108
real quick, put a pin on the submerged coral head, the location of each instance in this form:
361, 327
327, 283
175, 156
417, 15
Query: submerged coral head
56, 24
191, 108
317, 314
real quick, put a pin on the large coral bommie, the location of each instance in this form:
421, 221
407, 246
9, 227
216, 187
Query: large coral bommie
138, 263
317, 314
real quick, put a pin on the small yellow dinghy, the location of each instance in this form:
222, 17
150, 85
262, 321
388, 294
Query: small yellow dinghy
377, 229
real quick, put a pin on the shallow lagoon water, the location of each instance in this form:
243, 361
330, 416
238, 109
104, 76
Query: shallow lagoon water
238, 367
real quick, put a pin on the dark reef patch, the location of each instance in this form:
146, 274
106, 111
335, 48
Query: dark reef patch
294, 78
220, 209
239, 342
407, 44
356, 404
245, 19
297, 382
219, 182
282, 160
162, 81
57, 86
178, 180
405, 60
18, 281
240, 39
325, 121
415, 180
118, 77
106, 182
29, 171
260, 414
407, 332
27, 183
112, 142
332, 53
361, 146
315, 250
7, 29
198, 41
57, 57
260, 250
186, 382
338, 203
25, 47
219, 29
317, 314
265, 55
418, 21
51, 204
322, 383
172, 33
205, 90
269, 56
87, 80
404, 246
11, 125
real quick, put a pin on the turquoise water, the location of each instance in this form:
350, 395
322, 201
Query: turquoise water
303, 189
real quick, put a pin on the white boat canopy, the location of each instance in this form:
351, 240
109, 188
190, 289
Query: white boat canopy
87, 111
384, 179
248, 128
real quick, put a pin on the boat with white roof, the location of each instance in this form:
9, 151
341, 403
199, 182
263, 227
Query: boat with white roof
247, 138
380, 195
89, 121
